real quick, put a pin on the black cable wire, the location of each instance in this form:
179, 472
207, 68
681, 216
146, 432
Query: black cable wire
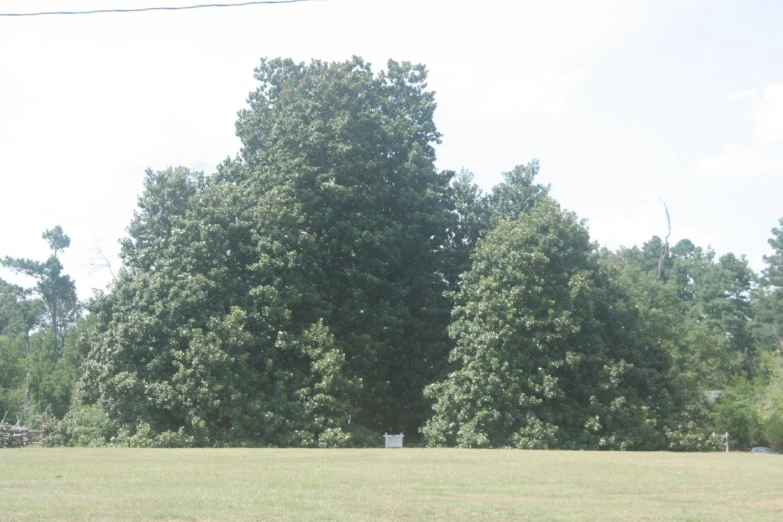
146, 9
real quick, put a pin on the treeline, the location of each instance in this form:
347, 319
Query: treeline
329, 284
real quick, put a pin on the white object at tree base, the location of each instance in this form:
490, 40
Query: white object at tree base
725, 439
393, 441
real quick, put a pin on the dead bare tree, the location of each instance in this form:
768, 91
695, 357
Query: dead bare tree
101, 261
664, 253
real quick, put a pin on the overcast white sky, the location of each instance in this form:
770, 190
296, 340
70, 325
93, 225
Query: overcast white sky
622, 101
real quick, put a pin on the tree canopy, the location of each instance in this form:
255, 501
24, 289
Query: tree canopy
329, 283
38, 366
548, 351
296, 297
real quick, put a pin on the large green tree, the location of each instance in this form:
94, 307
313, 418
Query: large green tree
296, 296
354, 153
196, 342
56, 289
549, 352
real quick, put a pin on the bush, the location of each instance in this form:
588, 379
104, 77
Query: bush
690, 436
83, 425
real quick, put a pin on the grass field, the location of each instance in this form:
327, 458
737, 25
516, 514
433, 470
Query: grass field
409, 484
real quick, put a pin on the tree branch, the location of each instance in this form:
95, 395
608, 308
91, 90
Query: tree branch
664, 253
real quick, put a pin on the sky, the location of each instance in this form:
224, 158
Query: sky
625, 104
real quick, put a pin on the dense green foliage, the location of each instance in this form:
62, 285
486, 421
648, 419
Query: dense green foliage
700, 308
294, 298
329, 284
549, 354
720, 323
40, 358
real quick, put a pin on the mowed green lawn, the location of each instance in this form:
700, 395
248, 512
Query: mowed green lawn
408, 484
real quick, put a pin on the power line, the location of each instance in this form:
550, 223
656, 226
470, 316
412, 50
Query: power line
146, 9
